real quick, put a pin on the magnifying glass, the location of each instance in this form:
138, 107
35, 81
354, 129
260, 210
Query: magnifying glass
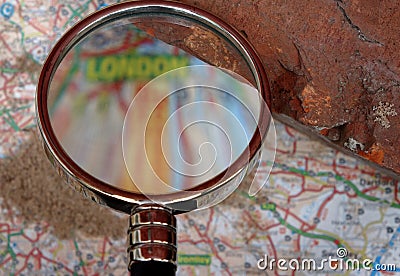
153, 108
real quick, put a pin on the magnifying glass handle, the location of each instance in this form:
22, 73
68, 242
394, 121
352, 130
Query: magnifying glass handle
153, 268
152, 241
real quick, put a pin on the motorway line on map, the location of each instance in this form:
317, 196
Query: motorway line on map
270, 206
9, 249
21, 31
340, 178
368, 197
9, 70
81, 262
309, 235
78, 13
8, 118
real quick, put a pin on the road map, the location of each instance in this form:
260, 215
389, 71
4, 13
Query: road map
316, 202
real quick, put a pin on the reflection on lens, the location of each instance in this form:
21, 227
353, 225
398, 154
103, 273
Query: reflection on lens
187, 126
179, 134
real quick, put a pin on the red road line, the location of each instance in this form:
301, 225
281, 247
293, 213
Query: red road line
287, 212
210, 219
96, 7
9, 230
294, 147
6, 44
212, 246
25, 264
396, 191
282, 151
103, 249
289, 131
324, 203
298, 242
6, 261
230, 245
258, 225
369, 189
193, 242
54, 262
38, 27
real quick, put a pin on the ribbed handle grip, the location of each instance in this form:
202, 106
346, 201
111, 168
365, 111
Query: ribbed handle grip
152, 241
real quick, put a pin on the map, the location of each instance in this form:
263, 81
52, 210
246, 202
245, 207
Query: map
316, 202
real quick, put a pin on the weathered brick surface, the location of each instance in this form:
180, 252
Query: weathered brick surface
333, 66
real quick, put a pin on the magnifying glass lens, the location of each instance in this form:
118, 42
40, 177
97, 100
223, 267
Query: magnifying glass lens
132, 107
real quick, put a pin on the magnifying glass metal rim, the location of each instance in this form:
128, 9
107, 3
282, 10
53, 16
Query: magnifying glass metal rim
102, 192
